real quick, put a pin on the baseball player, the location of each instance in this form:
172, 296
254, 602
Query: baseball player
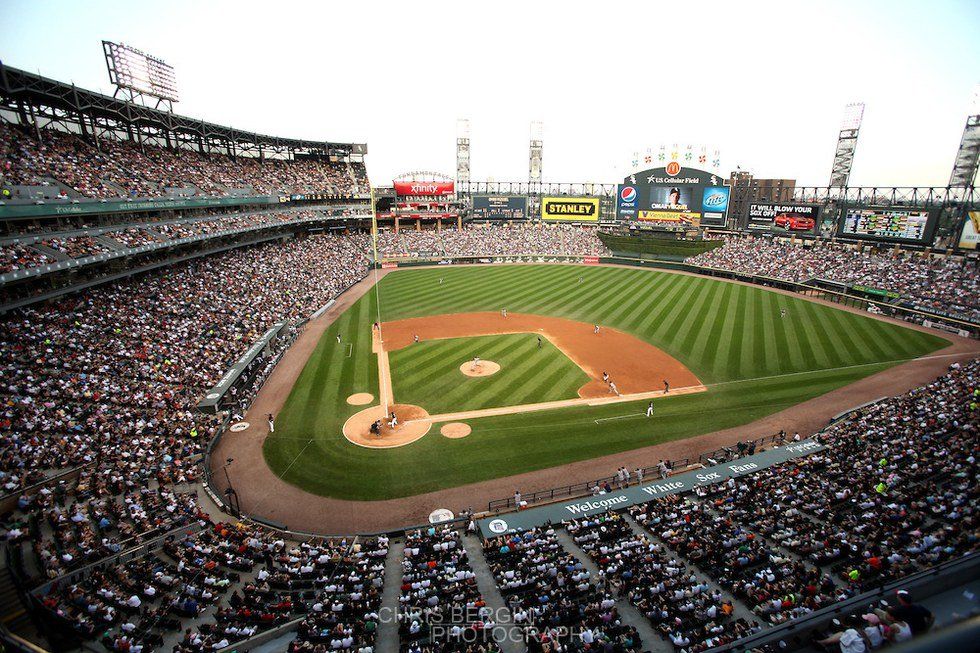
476, 363
666, 386
650, 409
503, 312
338, 338
393, 422
605, 377
416, 337
612, 388
782, 312
539, 342
272, 422
596, 329
639, 475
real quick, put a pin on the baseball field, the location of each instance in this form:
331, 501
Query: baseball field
731, 353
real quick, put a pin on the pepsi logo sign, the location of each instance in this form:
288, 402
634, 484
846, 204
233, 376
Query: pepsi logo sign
673, 168
628, 194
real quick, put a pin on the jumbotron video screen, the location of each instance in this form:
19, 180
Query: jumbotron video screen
888, 224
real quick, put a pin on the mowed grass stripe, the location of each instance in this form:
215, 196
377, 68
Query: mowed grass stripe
641, 296
639, 317
816, 338
680, 312
829, 342
720, 344
756, 334
773, 341
710, 332
591, 299
695, 324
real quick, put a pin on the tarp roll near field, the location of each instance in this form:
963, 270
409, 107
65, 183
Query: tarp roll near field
654, 489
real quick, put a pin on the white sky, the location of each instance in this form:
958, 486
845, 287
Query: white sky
765, 83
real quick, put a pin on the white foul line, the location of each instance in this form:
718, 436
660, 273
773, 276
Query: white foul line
606, 419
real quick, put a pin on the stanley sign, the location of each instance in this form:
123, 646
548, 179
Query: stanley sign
570, 209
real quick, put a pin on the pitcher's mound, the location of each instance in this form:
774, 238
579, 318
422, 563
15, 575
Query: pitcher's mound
360, 399
455, 430
484, 368
413, 423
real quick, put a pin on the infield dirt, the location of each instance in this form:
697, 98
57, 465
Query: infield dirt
633, 365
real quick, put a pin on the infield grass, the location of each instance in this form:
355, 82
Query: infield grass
754, 361
427, 373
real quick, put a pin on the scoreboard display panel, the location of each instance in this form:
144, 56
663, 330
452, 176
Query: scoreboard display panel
889, 224
499, 207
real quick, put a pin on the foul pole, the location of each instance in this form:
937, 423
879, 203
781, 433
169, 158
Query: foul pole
377, 300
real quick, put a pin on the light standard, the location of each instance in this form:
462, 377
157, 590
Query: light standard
230, 491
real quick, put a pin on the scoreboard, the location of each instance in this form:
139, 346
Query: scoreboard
889, 224
500, 207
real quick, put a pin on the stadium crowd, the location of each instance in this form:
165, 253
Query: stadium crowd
19, 254
111, 169
497, 240
945, 284
106, 381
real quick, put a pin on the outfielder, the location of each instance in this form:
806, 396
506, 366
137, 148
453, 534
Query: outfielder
650, 409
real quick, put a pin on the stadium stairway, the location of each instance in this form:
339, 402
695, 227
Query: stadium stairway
13, 615
652, 641
387, 641
488, 588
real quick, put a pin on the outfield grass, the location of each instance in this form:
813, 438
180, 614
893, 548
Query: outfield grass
427, 373
731, 336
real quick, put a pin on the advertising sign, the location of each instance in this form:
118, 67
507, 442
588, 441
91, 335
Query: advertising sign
971, 231
627, 200
570, 209
499, 207
671, 218
696, 196
423, 188
889, 224
797, 218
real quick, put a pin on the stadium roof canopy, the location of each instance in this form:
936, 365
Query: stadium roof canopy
34, 98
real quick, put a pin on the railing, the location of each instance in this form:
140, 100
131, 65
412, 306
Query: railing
727, 454
578, 489
724, 454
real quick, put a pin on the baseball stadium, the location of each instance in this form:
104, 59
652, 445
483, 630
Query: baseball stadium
262, 393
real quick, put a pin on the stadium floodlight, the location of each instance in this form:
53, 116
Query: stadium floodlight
535, 155
846, 144
967, 159
137, 73
463, 155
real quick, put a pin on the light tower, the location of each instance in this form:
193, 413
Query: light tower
534, 157
965, 165
846, 144
463, 155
